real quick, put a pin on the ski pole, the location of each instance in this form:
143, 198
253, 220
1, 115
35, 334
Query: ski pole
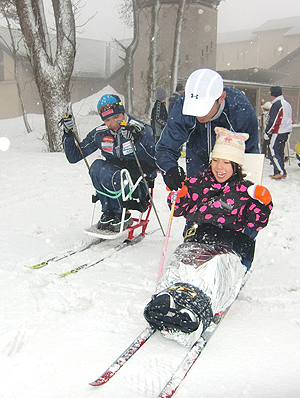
144, 179
147, 186
173, 200
67, 115
80, 150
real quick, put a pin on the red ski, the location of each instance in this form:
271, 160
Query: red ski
123, 358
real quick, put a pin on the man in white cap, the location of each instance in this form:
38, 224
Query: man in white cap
206, 104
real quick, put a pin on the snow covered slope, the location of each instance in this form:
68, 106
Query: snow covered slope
59, 334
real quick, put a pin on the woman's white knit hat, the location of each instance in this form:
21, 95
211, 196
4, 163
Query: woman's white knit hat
229, 145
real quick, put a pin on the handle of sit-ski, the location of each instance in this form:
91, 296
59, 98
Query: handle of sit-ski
174, 195
173, 200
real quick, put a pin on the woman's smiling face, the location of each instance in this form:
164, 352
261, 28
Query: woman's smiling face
222, 169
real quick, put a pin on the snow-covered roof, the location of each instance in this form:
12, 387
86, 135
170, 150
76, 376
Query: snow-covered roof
290, 23
236, 36
97, 58
258, 75
94, 58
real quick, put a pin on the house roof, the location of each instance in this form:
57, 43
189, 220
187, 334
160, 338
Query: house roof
97, 58
292, 24
94, 58
254, 75
236, 36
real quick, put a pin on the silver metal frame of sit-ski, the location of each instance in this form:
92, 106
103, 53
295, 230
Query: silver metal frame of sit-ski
125, 181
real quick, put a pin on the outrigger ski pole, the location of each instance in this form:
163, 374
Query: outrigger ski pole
67, 115
145, 181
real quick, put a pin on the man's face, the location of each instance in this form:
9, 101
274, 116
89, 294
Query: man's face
213, 111
113, 122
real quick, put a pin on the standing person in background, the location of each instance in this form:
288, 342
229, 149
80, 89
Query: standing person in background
265, 109
277, 131
204, 105
159, 114
179, 90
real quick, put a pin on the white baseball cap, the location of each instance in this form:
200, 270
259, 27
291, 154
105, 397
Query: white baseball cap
203, 88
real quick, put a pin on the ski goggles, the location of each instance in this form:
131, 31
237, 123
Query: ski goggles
110, 109
107, 107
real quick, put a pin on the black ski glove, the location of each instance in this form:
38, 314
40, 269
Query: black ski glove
132, 131
174, 178
68, 125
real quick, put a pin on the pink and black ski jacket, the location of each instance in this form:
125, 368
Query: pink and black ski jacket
227, 205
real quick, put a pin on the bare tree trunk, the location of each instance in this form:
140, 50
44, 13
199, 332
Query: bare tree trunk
8, 11
128, 60
130, 13
152, 71
177, 42
52, 75
129, 80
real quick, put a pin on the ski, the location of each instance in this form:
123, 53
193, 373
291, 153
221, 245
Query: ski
185, 366
189, 360
124, 357
67, 254
194, 352
115, 249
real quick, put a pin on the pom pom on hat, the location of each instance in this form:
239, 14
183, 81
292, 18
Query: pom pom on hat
229, 145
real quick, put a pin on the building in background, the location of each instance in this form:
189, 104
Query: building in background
197, 45
251, 61
97, 64
254, 60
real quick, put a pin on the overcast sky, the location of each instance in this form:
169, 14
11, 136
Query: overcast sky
233, 15
99, 19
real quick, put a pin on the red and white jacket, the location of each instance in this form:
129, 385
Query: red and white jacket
280, 117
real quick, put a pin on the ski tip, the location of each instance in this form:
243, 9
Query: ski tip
95, 383
37, 266
103, 379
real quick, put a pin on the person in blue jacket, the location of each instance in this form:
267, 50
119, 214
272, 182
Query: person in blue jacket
204, 105
115, 143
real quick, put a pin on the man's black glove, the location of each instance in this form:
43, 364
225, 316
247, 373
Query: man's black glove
174, 178
132, 131
68, 124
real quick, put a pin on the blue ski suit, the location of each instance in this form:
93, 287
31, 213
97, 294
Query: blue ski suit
117, 154
235, 113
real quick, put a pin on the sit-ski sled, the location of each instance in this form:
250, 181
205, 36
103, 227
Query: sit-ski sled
143, 206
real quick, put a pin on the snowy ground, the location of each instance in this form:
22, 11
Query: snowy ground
59, 334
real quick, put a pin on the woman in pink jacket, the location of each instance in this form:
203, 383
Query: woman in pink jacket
224, 212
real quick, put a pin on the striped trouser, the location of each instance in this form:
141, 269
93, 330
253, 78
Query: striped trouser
276, 146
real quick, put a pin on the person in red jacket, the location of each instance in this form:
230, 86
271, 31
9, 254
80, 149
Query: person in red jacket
279, 126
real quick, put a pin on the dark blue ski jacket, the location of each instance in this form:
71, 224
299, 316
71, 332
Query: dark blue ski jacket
236, 114
115, 148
